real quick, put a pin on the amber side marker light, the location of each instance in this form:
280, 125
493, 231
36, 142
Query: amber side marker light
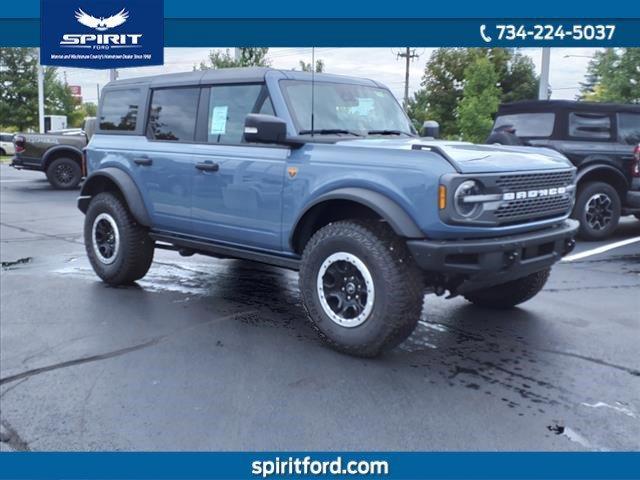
442, 197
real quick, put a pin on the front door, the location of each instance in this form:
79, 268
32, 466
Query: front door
237, 187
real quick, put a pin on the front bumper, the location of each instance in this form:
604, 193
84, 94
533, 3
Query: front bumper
474, 264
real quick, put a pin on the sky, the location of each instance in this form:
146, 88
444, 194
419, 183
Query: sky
568, 66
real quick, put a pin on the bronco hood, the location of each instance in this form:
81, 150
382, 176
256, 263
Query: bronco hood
472, 158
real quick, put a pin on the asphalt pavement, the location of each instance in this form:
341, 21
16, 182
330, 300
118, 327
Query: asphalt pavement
207, 354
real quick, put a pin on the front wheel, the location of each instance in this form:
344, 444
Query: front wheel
360, 287
64, 173
119, 249
598, 210
510, 294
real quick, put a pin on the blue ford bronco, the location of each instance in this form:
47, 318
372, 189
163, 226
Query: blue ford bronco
325, 175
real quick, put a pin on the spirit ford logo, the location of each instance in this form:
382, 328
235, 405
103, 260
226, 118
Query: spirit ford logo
101, 24
544, 192
101, 39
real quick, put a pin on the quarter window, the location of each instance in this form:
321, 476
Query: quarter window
528, 124
229, 105
629, 128
120, 109
590, 125
173, 114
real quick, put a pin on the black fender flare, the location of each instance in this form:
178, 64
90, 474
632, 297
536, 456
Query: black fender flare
399, 220
58, 148
124, 183
601, 166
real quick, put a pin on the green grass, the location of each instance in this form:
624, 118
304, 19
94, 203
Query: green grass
5, 158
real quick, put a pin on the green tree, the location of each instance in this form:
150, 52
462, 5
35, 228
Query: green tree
19, 90
87, 109
613, 75
481, 97
306, 67
442, 83
249, 57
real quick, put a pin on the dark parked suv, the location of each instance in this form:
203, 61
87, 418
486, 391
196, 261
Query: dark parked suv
600, 139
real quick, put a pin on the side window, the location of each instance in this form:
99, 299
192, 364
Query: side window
228, 107
172, 115
590, 125
119, 110
629, 128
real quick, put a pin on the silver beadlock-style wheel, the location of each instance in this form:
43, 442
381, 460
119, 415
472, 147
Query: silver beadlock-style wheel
346, 289
106, 238
599, 211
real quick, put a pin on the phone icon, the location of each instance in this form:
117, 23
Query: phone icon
483, 34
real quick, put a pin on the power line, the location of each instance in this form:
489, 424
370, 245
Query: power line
409, 54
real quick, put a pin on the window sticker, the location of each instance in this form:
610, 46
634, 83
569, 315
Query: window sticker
219, 120
364, 107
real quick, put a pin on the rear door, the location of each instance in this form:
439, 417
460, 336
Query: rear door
237, 187
165, 164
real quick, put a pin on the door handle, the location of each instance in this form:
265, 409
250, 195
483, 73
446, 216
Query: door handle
143, 161
208, 166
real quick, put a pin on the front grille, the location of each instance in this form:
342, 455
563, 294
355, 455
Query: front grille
533, 207
539, 207
531, 181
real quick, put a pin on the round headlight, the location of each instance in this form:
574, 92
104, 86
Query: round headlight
463, 208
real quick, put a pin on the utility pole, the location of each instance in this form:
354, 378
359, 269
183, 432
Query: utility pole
543, 90
40, 98
113, 75
98, 91
237, 53
409, 54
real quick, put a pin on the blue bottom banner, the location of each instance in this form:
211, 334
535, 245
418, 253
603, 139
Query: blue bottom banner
191, 465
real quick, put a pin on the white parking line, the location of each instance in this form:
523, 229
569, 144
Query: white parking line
602, 249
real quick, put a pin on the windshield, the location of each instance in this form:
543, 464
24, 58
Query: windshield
341, 108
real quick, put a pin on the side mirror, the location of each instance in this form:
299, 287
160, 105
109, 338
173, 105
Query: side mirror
259, 128
430, 128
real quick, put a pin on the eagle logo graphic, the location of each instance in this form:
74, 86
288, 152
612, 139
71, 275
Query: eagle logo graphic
101, 24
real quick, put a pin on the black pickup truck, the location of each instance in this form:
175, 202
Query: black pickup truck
601, 139
57, 153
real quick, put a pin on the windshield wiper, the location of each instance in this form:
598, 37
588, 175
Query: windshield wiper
329, 131
388, 132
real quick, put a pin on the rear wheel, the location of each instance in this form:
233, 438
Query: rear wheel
512, 293
64, 173
360, 287
119, 249
598, 210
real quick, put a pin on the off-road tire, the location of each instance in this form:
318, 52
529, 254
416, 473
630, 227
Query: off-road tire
585, 193
637, 215
398, 283
134, 254
2, 152
510, 294
64, 173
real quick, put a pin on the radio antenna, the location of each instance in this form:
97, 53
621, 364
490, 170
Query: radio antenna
313, 86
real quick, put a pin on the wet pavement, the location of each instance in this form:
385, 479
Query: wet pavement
207, 354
